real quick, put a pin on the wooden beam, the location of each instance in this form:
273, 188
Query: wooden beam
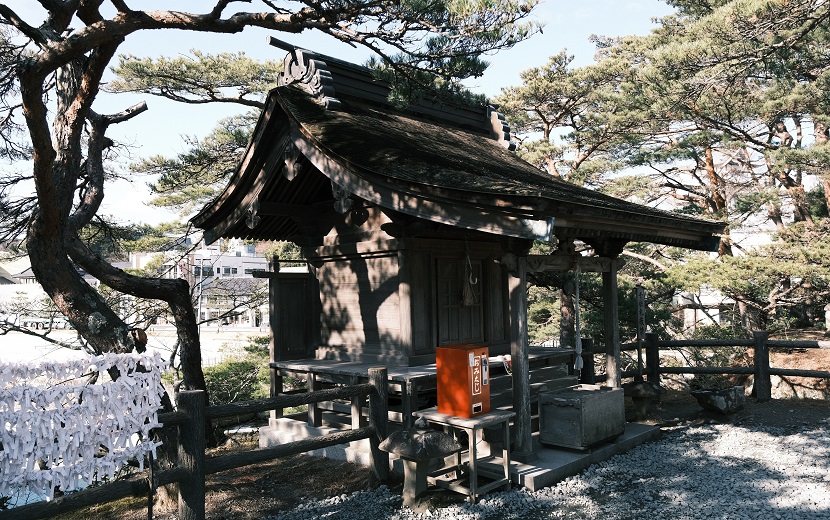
276, 209
587, 264
545, 263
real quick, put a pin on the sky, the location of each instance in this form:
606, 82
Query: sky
568, 25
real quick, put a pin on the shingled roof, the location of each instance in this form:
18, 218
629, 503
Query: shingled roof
328, 137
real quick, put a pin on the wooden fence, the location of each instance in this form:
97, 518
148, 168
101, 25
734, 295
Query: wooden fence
760, 369
193, 466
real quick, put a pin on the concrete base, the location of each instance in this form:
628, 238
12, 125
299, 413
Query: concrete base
281, 431
552, 465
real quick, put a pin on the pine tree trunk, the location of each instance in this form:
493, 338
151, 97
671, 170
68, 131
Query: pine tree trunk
825, 183
717, 200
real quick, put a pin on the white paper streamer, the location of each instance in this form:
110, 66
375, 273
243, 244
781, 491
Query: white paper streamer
51, 440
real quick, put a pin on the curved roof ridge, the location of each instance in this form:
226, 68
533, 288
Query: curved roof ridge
330, 80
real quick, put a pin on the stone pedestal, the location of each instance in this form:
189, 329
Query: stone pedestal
417, 448
643, 394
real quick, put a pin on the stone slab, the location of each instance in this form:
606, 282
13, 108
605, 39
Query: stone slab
282, 431
553, 465
550, 466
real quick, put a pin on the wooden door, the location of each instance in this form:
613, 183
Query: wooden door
292, 315
460, 320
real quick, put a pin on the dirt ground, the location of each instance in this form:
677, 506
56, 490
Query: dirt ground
265, 489
256, 491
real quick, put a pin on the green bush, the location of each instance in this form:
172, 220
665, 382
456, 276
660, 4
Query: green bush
234, 380
242, 378
718, 332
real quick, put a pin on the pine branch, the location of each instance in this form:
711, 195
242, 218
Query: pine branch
38, 36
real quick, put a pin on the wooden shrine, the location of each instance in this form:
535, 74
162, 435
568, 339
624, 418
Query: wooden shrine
416, 224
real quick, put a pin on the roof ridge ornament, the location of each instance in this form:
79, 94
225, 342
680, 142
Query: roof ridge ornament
500, 128
306, 67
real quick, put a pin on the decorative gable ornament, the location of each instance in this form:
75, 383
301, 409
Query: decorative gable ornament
342, 199
305, 67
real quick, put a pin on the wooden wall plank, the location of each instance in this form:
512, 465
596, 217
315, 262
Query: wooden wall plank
421, 294
360, 305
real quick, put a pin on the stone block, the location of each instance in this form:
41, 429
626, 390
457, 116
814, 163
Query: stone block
581, 416
723, 400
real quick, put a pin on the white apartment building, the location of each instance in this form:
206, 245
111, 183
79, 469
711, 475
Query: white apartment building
222, 277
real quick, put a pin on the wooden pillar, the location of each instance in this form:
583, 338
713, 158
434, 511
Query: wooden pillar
588, 373
612, 326
314, 416
357, 406
192, 455
273, 325
276, 390
641, 329
567, 300
567, 310
405, 303
409, 395
522, 443
763, 386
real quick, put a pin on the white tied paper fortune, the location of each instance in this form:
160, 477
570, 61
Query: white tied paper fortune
57, 430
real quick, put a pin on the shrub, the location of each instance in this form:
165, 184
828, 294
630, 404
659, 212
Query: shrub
243, 377
717, 357
235, 380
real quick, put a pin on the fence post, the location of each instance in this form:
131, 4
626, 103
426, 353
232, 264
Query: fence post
379, 415
588, 375
763, 385
653, 358
192, 455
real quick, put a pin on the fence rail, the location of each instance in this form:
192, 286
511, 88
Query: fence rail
192, 465
760, 369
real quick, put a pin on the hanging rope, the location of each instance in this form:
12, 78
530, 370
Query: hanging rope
578, 340
468, 297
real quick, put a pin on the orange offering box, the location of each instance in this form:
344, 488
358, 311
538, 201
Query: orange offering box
463, 373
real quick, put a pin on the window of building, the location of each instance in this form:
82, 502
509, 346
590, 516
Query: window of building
199, 271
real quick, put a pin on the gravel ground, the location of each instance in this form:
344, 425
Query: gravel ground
696, 471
